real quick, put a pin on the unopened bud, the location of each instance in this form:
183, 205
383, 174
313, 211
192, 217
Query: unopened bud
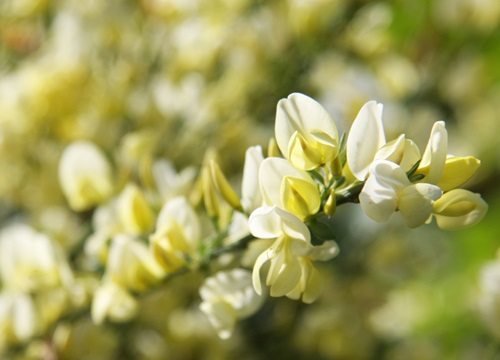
223, 186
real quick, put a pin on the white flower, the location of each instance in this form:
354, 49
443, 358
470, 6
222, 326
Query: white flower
289, 188
305, 133
228, 296
291, 272
85, 175
388, 189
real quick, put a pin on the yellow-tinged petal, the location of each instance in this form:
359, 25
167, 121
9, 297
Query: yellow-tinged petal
302, 114
272, 148
313, 286
223, 186
134, 212
131, 264
303, 155
168, 257
459, 209
300, 197
434, 157
287, 277
457, 170
330, 204
259, 262
209, 195
272, 172
312, 151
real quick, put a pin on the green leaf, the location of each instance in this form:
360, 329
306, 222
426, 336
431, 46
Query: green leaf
413, 169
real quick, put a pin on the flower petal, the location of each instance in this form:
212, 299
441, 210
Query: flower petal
458, 209
256, 280
415, 203
250, 193
434, 157
301, 113
287, 278
365, 138
457, 170
271, 174
265, 223
378, 198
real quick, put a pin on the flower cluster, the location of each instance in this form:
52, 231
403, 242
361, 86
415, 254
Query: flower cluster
148, 230
308, 173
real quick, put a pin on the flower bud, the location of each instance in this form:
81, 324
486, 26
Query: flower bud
300, 197
458, 209
209, 195
134, 212
330, 205
223, 186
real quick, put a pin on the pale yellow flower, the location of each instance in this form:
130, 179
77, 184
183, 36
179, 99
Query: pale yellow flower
131, 265
459, 209
177, 235
305, 133
290, 256
85, 175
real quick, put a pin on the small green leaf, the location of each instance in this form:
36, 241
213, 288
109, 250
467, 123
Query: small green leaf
317, 176
413, 169
416, 177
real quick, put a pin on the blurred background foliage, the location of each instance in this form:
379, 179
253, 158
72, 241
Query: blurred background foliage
172, 78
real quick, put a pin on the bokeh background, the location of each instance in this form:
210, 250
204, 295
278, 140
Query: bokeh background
173, 78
